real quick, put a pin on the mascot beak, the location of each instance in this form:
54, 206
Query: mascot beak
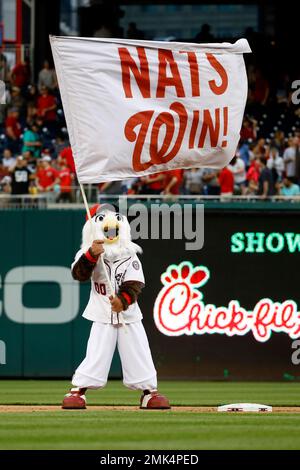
110, 228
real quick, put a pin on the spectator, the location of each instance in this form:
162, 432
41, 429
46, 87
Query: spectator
60, 144
244, 153
226, 181
173, 182
17, 101
13, 130
20, 177
31, 160
8, 160
4, 171
251, 189
253, 173
238, 169
32, 141
289, 189
265, 181
205, 34
32, 96
46, 108
211, 182
47, 77
4, 69
133, 32
20, 75
111, 187
290, 156
259, 149
153, 184
67, 154
275, 164
193, 181
248, 130
251, 154
129, 185
47, 177
279, 142
65, 180
5, 183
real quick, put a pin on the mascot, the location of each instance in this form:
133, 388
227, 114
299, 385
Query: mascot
116, 315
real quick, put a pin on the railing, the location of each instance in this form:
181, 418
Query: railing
48, 200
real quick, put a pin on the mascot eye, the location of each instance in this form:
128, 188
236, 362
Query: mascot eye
99, 217
118, 217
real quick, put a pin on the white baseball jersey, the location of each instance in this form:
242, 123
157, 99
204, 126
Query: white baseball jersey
98, 309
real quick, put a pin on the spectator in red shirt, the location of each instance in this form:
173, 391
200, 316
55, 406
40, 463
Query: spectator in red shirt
13, 130
226, 181
253, 172
67, 155
20, 75
47, 176
65, 179
153, 184
248, 130
46, 109
173, 181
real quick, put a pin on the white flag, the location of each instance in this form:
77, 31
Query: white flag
139, 107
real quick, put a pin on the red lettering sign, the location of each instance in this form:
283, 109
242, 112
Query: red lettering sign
179, 309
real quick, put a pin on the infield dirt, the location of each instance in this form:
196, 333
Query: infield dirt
191, 409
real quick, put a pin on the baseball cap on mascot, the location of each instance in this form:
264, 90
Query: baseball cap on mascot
93, 211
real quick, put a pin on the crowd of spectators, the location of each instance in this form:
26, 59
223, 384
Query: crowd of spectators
35, 154
36, 158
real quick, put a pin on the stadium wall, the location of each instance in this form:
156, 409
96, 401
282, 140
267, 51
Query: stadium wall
42, 333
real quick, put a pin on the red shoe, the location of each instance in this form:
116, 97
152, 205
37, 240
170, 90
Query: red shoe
75, 399
154, 401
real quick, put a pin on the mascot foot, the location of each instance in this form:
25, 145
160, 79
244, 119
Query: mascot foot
154, 401
75, 399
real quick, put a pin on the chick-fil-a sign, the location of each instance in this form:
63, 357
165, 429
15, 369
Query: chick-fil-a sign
138, 107
180, 309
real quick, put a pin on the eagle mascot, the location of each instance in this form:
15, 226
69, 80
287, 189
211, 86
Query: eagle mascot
108, 258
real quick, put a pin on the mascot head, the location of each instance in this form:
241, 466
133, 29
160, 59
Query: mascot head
111, 227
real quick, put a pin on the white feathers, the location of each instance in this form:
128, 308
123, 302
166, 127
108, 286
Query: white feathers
122, 247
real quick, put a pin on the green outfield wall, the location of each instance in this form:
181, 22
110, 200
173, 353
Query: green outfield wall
251, 253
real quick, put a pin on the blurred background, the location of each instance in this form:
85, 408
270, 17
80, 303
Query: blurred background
32, 124
42, 333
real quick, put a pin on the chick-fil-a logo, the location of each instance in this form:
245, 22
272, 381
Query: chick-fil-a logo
179, 309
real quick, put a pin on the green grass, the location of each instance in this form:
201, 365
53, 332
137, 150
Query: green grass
147, 430
34, 392
150, 430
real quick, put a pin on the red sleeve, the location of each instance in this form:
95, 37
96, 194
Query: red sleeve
55, 173
8, 122
178, 174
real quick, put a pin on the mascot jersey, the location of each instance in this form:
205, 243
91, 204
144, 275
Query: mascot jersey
121, 271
